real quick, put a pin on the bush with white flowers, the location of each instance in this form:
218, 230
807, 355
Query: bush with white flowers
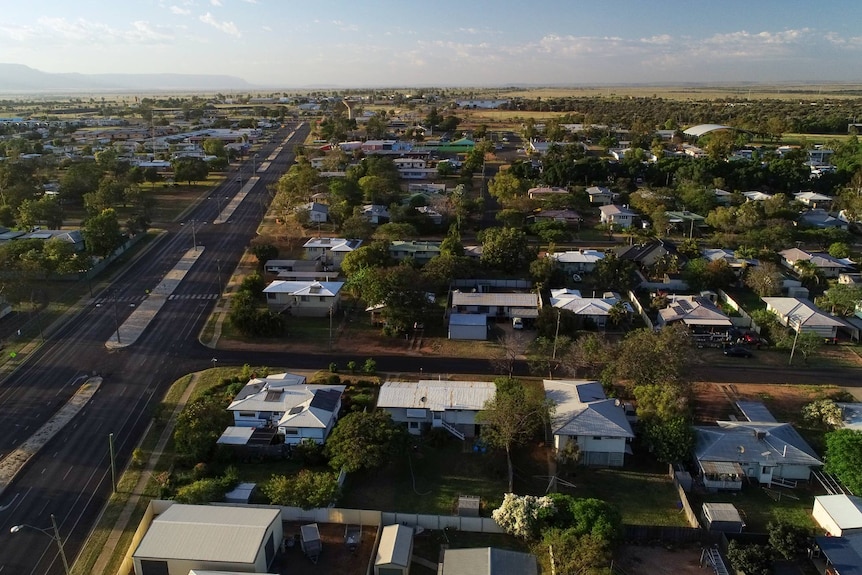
522, 515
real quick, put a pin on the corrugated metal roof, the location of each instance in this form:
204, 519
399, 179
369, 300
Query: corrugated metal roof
845, 510
436, 395
488, 561
396, 545
496, 299
208, 533
583, 409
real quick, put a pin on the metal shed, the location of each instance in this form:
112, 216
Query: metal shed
394, 551
722, 517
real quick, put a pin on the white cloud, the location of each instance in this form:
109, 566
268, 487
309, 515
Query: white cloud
226, 27
344, 26
216, 2
180, 11
57, 30
266, 28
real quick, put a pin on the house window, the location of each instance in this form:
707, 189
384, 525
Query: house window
270, 296
291, 431
597, 437
322, 298
247, 414
414, 425
303, 298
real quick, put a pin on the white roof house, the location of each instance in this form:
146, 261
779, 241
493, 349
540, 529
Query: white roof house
299, 410
584, 414
579, 260
693, 311
452, 405
802, 315
600, 196
597, 309
812, 199
205, 537
497, 304
545, 191
617, 215
755, 196
304, 298
829, 266
839, 515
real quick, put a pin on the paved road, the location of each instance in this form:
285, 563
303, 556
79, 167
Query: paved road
71, 476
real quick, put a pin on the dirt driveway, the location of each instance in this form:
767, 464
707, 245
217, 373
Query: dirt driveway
653, 560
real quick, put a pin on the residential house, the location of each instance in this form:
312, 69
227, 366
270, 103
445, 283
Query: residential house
488, 561
432, 214
827, 265
646, 255
330, 251
420, 251
737, 264
686, 221
802, 315
759, 449
600, 196
284, 401
317, 213
582, 261
303, 298
813, 199
698, 313
853, 279
594, 309
722, 197
496, 304
428, 404
209, 538
821, 219
569, 217
585, 415
843, 554
375, 213
755, 196
617, 216
546, 192
299, 270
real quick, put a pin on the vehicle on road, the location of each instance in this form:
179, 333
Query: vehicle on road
737, 351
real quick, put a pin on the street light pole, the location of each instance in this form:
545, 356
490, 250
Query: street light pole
113, 464
55, 536
116, 320
194, 237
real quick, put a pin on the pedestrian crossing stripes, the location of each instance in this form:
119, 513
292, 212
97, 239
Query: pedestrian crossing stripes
138, 299
197, 296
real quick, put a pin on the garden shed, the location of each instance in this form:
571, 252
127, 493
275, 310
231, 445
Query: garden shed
839, 515
394, 551
309, 539
469, 326
722, 517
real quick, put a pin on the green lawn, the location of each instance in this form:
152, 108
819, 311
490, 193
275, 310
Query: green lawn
644, 497
439, 475
758, 508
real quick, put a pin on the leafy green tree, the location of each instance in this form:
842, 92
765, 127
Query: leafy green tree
373, 255
102, 233
647, 357
364, 440
615, 273
199, 426
583, 555
263, 253
764, 279
190, 170
841, 299
307, 489
788, 540
844, 457
588, 356
296, 186
79, 179
839, 250
506, 249
805, 343
513, 416
522, 515
750, 559
506, 186
823, 413
670, 440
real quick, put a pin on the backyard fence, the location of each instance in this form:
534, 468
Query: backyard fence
690, 515
651, 533
641, 311
747, 321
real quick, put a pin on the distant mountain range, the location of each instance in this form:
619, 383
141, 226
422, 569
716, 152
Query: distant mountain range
17, 78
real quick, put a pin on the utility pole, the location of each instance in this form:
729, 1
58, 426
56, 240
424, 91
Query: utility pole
60, 544
194, 237
113, 462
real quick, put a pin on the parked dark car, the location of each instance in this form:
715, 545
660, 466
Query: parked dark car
737, 351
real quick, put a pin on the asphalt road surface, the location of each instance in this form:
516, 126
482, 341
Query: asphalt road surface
71, 476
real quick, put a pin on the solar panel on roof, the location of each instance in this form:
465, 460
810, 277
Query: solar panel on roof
295, 410
326, 400
273, 395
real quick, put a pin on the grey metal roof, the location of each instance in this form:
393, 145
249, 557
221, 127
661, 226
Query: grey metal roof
753, 442
755, 411
488, 561
722, 512
208, 533
526, 300
468, 319
583, 409
844, 553
436, 395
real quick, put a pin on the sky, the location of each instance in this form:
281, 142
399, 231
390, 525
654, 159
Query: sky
444, 43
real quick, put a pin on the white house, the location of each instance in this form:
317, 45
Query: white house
420, 251
304, 298
435, 216
619, 216
829, 266
317, 213
580, 261
425, 404
697, 313
330, 251
495, 304
183, 538
596, 309
600, 196
800, 314
755, 196
722, 197
546, 192
585, 415
838, 515
284, 401
813, 199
